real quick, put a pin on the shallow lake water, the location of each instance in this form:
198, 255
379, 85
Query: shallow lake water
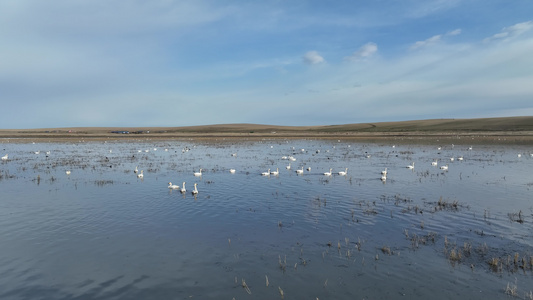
424, 233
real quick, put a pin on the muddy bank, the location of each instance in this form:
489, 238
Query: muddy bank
525, 138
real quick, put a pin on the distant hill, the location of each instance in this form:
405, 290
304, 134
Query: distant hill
440, 125
503, 126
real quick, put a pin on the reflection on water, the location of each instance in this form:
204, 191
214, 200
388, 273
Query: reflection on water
103, 233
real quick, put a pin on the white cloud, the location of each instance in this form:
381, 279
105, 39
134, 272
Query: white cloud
511, 31
365, 51
313, 58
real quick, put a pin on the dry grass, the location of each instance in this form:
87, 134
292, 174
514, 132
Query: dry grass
511, 289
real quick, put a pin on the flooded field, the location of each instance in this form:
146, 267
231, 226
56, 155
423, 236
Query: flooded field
426, 232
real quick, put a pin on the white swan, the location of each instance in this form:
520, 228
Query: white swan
266, 173
195, 191
444, 167
67, 172
172, 186
4, 157
136, 170
343, 173
328, 173
452, 159
141, 175
384, 172
383, 177
460, 158
183, 189
300, 171
232, 171
434, 163
308, 169
411, 166
288, 167
37, 152
198, 173
275, 173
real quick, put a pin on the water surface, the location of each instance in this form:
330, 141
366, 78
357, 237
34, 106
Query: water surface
103, 233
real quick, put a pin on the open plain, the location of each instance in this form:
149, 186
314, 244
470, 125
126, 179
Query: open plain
512, 129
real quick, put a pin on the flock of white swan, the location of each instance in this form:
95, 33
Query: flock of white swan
330, 172
270, 172
182, 189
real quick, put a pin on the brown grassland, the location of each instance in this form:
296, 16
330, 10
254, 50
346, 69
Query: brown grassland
511, 129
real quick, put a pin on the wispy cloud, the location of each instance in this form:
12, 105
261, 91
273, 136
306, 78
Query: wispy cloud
454, 32
425, 8
511, 31
434, 39
428, 42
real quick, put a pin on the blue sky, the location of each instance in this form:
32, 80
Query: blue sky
70, 63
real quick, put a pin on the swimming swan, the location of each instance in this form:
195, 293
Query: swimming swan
343, 173
4, 157
183, 190
198, 173
195, 191
172, 186
141, 175
328, 173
